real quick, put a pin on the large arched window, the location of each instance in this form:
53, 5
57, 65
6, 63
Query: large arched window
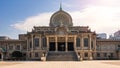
36, 42
85, 42
44, 42
78, 42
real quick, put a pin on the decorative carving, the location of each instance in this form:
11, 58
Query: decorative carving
59, 17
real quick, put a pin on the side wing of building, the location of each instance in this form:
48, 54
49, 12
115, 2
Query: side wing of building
108, 49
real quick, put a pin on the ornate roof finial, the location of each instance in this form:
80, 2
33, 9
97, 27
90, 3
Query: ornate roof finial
61, 5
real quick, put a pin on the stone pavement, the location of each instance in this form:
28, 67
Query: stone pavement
61, 64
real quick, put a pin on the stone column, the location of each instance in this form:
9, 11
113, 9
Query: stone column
90, 42
47, 43
74, 42
90, 53
56, 45
66, 43
94, 46
32, 42
40, 42
81, 42
27, 44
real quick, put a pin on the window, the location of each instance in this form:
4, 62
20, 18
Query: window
36, 54
78, 42
91, 44
105, 54
118, 46
98, 54
10, 47
30, 44
85, 42
111, 54
44, 43
36, 42
86, 54
17, 47
24, 48
30, 54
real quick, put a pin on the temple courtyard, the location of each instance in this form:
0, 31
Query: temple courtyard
61, 64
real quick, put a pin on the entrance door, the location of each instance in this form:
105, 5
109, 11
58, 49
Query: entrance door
70, 46
61, 46
52, 46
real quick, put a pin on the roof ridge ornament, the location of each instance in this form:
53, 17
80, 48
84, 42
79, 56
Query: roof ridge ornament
61, 5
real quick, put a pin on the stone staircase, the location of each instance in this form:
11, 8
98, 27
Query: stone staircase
61, 56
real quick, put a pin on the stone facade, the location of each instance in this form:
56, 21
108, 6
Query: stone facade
60, 37
108, 49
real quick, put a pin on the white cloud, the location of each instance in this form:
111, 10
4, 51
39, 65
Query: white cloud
38, 20
99, 18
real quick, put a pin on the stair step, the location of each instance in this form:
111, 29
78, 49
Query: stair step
62, 56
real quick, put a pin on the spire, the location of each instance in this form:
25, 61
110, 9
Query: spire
60, 5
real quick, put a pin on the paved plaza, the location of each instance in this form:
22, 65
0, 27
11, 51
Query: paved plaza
60, 64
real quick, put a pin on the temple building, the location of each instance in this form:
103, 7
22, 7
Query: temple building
60, 41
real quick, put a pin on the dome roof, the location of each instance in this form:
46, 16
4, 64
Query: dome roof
61, 17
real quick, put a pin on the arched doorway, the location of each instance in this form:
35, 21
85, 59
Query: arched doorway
17, 55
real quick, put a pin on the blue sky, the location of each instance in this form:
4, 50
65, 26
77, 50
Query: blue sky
19, 16
12, 11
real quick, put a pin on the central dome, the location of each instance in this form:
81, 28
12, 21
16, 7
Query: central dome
61, 17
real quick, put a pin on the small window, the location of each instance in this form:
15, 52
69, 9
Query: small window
111, 54
10, 47
86, 54
30, 54
30, 44
98, 54
36, 54
118, 46
105, 54
17, 47
91, 44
